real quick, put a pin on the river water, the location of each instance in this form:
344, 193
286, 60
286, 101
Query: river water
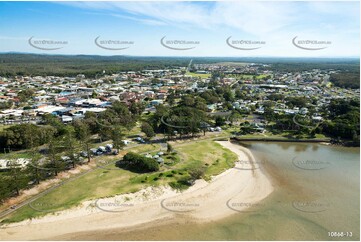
317, 191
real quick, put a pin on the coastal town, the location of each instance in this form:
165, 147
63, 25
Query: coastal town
24, 99
253, 90
180, 120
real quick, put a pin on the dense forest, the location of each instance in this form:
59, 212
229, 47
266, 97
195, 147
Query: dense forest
346, 79
12, 64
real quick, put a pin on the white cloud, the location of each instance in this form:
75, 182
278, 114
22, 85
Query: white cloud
251, 17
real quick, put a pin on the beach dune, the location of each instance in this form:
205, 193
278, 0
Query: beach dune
235, 190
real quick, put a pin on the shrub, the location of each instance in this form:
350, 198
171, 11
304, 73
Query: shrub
139, 163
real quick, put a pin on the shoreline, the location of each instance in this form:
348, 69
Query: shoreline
202, 202
270, 139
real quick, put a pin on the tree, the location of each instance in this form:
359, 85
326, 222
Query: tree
53, 121
82, 133
171, 99
137, 108
25, 95
34, 169
26, 135
148, 130
234, 117
70, 145
117, 136
220, 121
169, 148
53, 155
17, 178
5, 189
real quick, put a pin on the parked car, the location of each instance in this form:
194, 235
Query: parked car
84, 154
140, 140
126, 142
93, 151
108, 147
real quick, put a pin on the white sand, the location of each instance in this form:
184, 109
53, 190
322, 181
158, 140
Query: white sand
236, 189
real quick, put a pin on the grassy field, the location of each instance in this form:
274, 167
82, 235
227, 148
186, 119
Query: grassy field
247, 77
3, 127
262, 76
284, 136
210, 155
198, 75
110, 180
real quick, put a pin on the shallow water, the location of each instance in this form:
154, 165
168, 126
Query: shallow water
317, 191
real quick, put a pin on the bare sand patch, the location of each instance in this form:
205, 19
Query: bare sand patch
237, 189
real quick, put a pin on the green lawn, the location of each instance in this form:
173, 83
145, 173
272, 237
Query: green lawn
262, 76
3, 127
284, 135
16, 155
207, 154
110, 180
198, 75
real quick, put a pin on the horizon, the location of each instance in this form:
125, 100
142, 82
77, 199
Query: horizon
174, 56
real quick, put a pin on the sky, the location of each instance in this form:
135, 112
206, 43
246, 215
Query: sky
226, 29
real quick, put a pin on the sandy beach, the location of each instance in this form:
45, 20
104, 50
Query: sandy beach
237, 189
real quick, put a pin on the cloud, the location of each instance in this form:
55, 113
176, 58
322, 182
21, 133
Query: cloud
251, 17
